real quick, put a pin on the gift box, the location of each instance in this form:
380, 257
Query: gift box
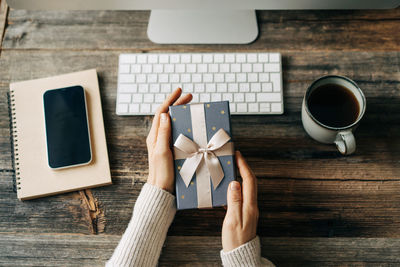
203, 154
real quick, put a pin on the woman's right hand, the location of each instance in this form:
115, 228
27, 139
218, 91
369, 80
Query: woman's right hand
240, 224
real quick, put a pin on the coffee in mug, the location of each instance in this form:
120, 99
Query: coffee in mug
332, 108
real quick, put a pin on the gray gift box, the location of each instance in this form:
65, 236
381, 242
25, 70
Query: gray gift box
196, 125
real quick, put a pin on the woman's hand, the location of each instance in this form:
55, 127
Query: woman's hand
240, 224
161, 168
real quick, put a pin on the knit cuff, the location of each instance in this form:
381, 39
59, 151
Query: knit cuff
142, 241
248, 254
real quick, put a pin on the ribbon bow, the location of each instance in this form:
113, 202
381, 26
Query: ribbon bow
218, 145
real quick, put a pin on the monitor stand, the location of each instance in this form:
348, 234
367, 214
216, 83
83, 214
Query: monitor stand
202, 26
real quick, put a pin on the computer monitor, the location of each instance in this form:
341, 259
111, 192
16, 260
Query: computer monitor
201, 21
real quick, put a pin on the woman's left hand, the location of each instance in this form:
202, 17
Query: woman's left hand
161, 167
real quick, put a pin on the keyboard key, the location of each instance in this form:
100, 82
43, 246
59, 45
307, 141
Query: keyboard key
137, 98
241, 107
169, 68
134, 108
127, 58
141, 59
216, 97
264, 77
213, 68
158, 68
275, 79
255, 87
208, 78
221, 87
223, 67
253, 107
148, 98
268, 97
276, 107
244, 87
152, 78
147, 68
204, 97
241, 77
218, 58
252, 58
271, 67
219, 78
163, 78
211, 87
159, 98
257, 67
239, 97
155, 88
140, 78
207, 58
154, 107
174, 78
164, 59
199, 87
247, 68
240, 58
185, 78
250, 97
124, 98
233, 87
195, 98
153, 59
127, 88
196, 58
180, 68
122, 108
263, 58
266, 87
165, 88
186, 58
143, 88
202, 68
145, 108
274, 57
235, 67
229, 58
196, 78
265, 107
191, 68
252, 77
174, 58
232, 107
227, 97
124, 68
230, 77
126, 78
188, 87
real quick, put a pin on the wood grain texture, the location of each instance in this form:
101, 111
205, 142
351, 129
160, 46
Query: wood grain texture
372, 30
317, 208
3, 19
83, 250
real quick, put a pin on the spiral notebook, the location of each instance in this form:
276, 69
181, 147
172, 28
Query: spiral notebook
33, 177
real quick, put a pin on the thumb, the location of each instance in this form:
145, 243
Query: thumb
235, 201
164, 132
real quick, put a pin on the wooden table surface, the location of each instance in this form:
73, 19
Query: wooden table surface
317, 208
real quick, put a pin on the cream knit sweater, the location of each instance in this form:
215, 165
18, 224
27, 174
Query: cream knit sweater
143, 239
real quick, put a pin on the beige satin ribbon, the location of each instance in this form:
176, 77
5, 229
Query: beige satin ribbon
202, 157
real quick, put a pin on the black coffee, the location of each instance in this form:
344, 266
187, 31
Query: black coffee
333, 105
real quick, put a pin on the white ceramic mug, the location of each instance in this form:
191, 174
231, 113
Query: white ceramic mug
341, 136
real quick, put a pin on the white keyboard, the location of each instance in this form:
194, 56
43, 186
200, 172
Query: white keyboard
251, 82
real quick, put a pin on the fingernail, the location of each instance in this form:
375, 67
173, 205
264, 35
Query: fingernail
235, 186
163, 117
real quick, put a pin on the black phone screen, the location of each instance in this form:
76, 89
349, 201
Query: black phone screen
67, 131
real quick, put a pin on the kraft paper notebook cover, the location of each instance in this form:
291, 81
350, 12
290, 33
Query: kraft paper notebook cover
34, 178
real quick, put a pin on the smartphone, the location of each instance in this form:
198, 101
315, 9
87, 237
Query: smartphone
67, 127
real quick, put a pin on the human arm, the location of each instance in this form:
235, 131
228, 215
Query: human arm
154, 209
240, 243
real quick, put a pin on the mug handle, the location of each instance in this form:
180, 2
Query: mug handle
345, 142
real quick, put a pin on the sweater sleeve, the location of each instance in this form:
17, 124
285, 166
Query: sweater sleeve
247, 255
144, 237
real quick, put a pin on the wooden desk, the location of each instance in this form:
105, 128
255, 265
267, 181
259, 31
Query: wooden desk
317, 207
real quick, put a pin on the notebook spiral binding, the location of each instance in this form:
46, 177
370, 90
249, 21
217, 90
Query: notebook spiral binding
14, 141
